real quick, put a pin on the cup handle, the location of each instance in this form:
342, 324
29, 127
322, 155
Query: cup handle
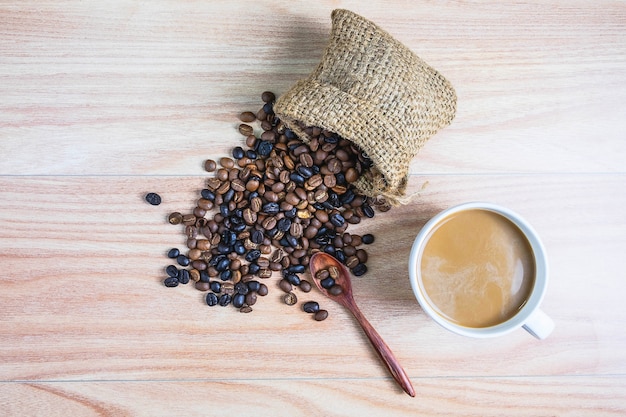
539, 324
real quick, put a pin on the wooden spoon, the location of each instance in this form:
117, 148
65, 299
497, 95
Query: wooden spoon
320, 261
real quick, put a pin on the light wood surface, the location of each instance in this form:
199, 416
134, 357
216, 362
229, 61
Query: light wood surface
101, 102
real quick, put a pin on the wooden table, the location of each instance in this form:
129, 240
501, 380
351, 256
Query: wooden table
103, 102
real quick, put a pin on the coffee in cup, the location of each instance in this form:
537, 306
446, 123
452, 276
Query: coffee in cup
480, 270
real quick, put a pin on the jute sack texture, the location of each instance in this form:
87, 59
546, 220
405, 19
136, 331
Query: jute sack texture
372, 90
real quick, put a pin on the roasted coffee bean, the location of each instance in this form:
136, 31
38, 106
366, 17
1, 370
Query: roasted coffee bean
171, 270
263, 290
305, 285
225, 299
337, 220
175, 218
251, 298
241, 288
327, 283
265, 273
321, 315
311, 307
253, 255
247, 117
335, 289
246, 129
367, 238
352, 261
202, 286
359, 270
211, 299
210, 165
238, 300
264, 148
253, 285
285, 285
268, 97
322, 274
153, 199
171, 282
215, 286
194, 274
290, 299
173, 253
183, 276
292, 278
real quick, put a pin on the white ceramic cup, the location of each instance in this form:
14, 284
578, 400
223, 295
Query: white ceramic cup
530, 316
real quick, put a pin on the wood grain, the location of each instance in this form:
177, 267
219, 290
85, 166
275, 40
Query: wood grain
101, 103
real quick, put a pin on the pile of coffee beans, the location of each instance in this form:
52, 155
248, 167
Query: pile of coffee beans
268, 207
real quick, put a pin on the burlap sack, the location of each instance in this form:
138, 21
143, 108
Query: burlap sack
372, 90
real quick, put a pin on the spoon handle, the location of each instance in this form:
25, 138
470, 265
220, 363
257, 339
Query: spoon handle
384, 352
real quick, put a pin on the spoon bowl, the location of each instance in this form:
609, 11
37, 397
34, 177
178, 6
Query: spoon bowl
341, 291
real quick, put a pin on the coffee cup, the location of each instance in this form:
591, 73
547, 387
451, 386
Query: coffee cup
480, 270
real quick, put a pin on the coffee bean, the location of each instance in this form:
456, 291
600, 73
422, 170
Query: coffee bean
367, 238
246, 129
171, 270
268, 97
225, 299
173, 253
175, 218
311, 307
211, 299
183, 276
210, 165
263, 290
327, 283
202, 286
238, 300
359, 270
290, 299
247, 117
336, 289
153, 198
278, 193
285, 285
321, 315
305, 285
250, 298
171, 282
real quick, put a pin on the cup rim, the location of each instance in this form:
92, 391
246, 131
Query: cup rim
539, 286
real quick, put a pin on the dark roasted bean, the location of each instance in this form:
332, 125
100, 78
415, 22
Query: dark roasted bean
224, 299
359, 270
183, 276
241, 288
253, 285
171, 282
215, 286
311, 307
171, 270
238, 300
153, 198
367, 238
173, 253
327, 282
268, 97
211, 299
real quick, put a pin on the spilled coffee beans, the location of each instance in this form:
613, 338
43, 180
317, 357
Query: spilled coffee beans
267, 207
